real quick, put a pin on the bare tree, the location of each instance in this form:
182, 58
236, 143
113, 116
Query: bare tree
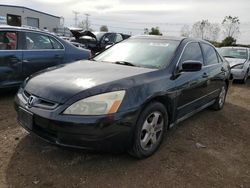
185, 31
205, 30
214, 31
231, 26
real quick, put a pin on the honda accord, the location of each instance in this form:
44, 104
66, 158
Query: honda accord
125, 98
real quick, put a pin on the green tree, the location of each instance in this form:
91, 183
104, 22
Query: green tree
155, 31
228, 41
104, 28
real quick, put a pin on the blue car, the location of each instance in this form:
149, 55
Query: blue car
24, 51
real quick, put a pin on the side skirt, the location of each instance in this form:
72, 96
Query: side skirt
191, 113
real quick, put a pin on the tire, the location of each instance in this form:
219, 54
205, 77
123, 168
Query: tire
149, 131
220, 100
244, 80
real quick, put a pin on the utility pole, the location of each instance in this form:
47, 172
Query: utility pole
87, 21
76, 17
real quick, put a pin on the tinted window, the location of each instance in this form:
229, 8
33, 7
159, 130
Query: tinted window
8, 40
55, 44
192, 52
35, 41
118, 38
111, 38
210, 55
141, 52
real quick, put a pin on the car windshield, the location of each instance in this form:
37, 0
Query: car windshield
239, 53
141, 53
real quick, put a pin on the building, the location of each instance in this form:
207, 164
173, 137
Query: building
23, 16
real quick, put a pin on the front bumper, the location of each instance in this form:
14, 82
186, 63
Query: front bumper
104, 133
238, 74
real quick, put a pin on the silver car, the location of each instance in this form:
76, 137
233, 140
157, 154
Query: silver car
239, 61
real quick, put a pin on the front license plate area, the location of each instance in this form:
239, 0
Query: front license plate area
25, 118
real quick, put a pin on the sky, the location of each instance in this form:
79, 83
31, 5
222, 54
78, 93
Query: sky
132, 16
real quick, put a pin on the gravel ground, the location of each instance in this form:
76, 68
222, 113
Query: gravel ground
210, 149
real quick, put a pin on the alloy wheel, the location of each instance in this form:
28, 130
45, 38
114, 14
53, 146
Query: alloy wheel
152, 130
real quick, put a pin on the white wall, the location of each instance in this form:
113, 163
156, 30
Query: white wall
50, 22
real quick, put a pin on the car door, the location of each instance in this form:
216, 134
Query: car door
191, 85
213, 70
40, 51
10, 59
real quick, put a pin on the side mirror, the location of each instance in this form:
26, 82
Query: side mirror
191, 66
106, 40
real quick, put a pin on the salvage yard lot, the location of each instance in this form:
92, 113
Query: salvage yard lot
224, 161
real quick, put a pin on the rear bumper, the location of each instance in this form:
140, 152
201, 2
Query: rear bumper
104, 133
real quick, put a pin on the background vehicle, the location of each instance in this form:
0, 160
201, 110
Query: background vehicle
24, 51
124, 100
97, 41
239, 60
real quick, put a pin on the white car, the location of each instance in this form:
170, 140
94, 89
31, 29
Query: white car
239, 61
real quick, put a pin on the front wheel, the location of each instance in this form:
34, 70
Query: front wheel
149, 131
220, 100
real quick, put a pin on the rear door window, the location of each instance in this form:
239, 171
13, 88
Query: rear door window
8, 40
55, 43
210, 55
36, 41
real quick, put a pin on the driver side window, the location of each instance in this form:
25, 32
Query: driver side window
192, 52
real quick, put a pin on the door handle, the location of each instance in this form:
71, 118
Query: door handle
205, 75
58, 56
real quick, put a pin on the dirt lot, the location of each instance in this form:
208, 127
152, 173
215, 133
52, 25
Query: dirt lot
26, 161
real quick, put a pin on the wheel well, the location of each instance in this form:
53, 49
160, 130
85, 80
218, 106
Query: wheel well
227, 83
166, 102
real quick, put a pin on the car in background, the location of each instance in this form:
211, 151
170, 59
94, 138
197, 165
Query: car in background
78, 45
25, 51
125, 100
239, 61
97, 41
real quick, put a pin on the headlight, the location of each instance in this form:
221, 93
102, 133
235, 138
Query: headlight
107, 103
239, 66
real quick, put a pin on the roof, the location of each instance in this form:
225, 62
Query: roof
23, 29
15, 6
158, 37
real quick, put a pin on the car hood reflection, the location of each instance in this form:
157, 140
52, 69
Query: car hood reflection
60, 84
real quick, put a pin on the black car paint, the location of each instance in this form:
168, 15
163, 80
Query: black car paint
16, 65
181, 92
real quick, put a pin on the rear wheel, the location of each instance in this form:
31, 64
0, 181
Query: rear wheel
220, 100
149, 131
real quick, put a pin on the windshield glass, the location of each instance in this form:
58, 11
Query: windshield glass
141, 52
239, 53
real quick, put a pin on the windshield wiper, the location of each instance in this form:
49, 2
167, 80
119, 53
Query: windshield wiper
228, 56
125, 63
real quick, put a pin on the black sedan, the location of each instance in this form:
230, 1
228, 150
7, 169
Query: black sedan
25, 51
126, 97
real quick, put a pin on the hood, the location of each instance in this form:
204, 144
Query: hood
235, 61
58, 84
80, 33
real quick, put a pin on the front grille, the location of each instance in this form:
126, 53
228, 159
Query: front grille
40, 102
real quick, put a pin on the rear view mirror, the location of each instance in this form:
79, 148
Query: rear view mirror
191, 66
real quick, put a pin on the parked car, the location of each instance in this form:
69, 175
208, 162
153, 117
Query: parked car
24, 51
97, 41
124, 100
239, 60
